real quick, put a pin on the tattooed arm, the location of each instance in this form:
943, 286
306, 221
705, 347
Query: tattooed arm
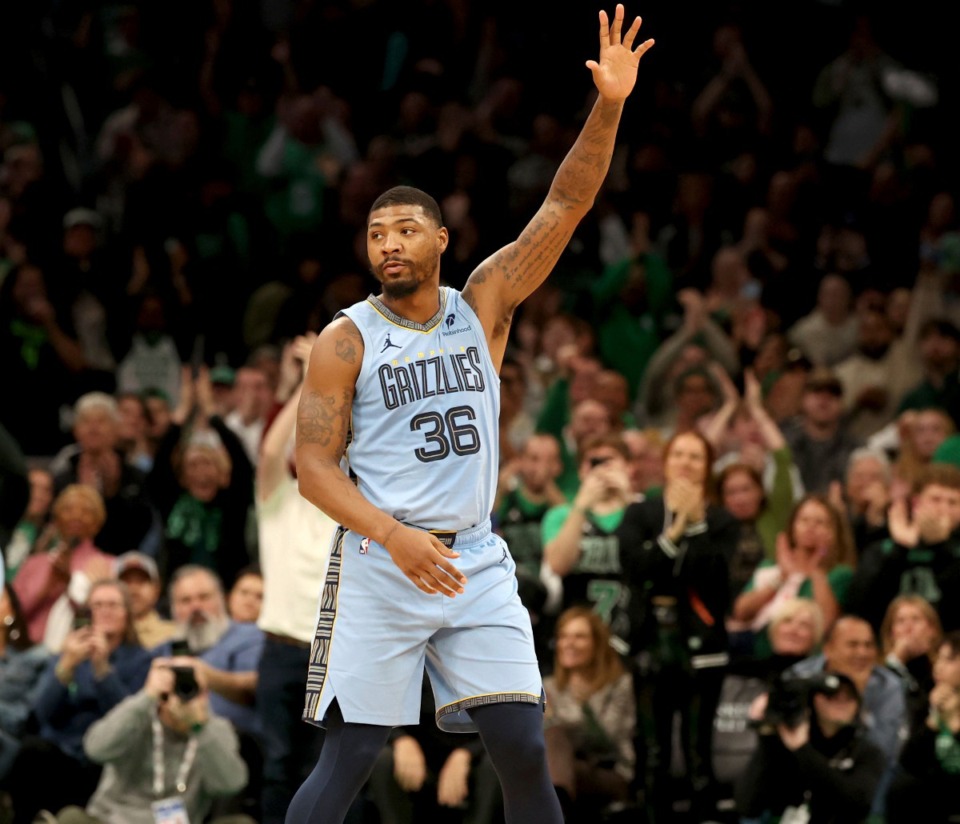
323, 418
501, 282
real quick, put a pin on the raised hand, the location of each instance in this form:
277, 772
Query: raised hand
616, 72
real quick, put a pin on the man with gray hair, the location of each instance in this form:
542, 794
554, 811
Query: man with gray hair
94, 460
866, 494
226, 657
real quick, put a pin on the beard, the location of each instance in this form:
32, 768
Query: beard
417, 274
202, 635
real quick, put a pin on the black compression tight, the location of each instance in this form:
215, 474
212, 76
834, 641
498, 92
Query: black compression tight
512, 734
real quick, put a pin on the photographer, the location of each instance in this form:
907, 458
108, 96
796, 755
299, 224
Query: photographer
161, 746
814, 763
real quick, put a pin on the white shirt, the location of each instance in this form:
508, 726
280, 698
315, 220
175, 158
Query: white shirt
295, 540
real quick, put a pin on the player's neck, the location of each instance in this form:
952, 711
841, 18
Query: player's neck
419, 307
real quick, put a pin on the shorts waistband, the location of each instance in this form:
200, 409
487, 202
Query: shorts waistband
463, 537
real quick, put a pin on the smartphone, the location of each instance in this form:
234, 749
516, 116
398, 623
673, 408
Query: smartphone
82, 618
196, 355
179, 647
185, 685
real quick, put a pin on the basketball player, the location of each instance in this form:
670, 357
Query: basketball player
397, 442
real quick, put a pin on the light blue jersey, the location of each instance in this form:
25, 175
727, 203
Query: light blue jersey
424, 440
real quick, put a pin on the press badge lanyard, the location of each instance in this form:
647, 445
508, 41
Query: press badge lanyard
185, 765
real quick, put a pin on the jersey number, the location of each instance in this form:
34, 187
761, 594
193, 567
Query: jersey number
443, 433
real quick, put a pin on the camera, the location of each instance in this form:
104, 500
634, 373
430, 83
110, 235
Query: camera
179, 647
185, 685
788, 702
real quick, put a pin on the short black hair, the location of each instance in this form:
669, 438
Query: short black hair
409, 196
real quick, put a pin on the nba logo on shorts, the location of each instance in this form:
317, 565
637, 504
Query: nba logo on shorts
364, 546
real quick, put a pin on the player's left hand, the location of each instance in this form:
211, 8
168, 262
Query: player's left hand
616, 72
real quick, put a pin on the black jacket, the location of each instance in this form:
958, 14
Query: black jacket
694, 572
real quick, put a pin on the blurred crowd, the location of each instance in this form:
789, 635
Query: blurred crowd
730, 470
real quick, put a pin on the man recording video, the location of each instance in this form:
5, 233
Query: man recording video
163, 753
813, 762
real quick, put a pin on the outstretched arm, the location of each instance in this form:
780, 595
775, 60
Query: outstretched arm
501, 282
323, 422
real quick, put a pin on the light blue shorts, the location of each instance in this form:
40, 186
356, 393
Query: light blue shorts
376, 631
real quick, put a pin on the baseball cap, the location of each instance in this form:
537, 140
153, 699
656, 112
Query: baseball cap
222, 375
830, 683
137, 560
822, 379
81, 216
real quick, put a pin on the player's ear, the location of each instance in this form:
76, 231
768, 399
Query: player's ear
443, 239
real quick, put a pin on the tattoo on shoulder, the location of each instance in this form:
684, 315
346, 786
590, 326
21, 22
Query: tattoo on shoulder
349, 346
323, 418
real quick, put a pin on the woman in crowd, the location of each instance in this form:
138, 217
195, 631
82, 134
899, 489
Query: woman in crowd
930, 761
675, 552
60, 571
590, 717
814, 556
101, 663
910, 637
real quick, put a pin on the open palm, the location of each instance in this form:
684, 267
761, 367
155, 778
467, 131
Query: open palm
616, 72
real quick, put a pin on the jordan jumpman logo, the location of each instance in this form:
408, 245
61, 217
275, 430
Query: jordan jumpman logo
388, 345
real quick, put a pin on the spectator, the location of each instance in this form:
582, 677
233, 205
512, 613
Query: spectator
822, 767
938, 346
526, 492
133, 431
696, 343
516, 423
140, 575
921, 432
158, 745
95, 460
931, 757
910, 637
251, 403
202, 483
817, 438
226, 653
589, 419
829, 333
814, 559
227, 656
876, 376
101, 664
295, 541
674, 553
32, 521
796, 630
21, 664
152, 363
246, 595
646, 460
581, 551
866, 495
850, 648
58, 575
921, 556
590, 718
